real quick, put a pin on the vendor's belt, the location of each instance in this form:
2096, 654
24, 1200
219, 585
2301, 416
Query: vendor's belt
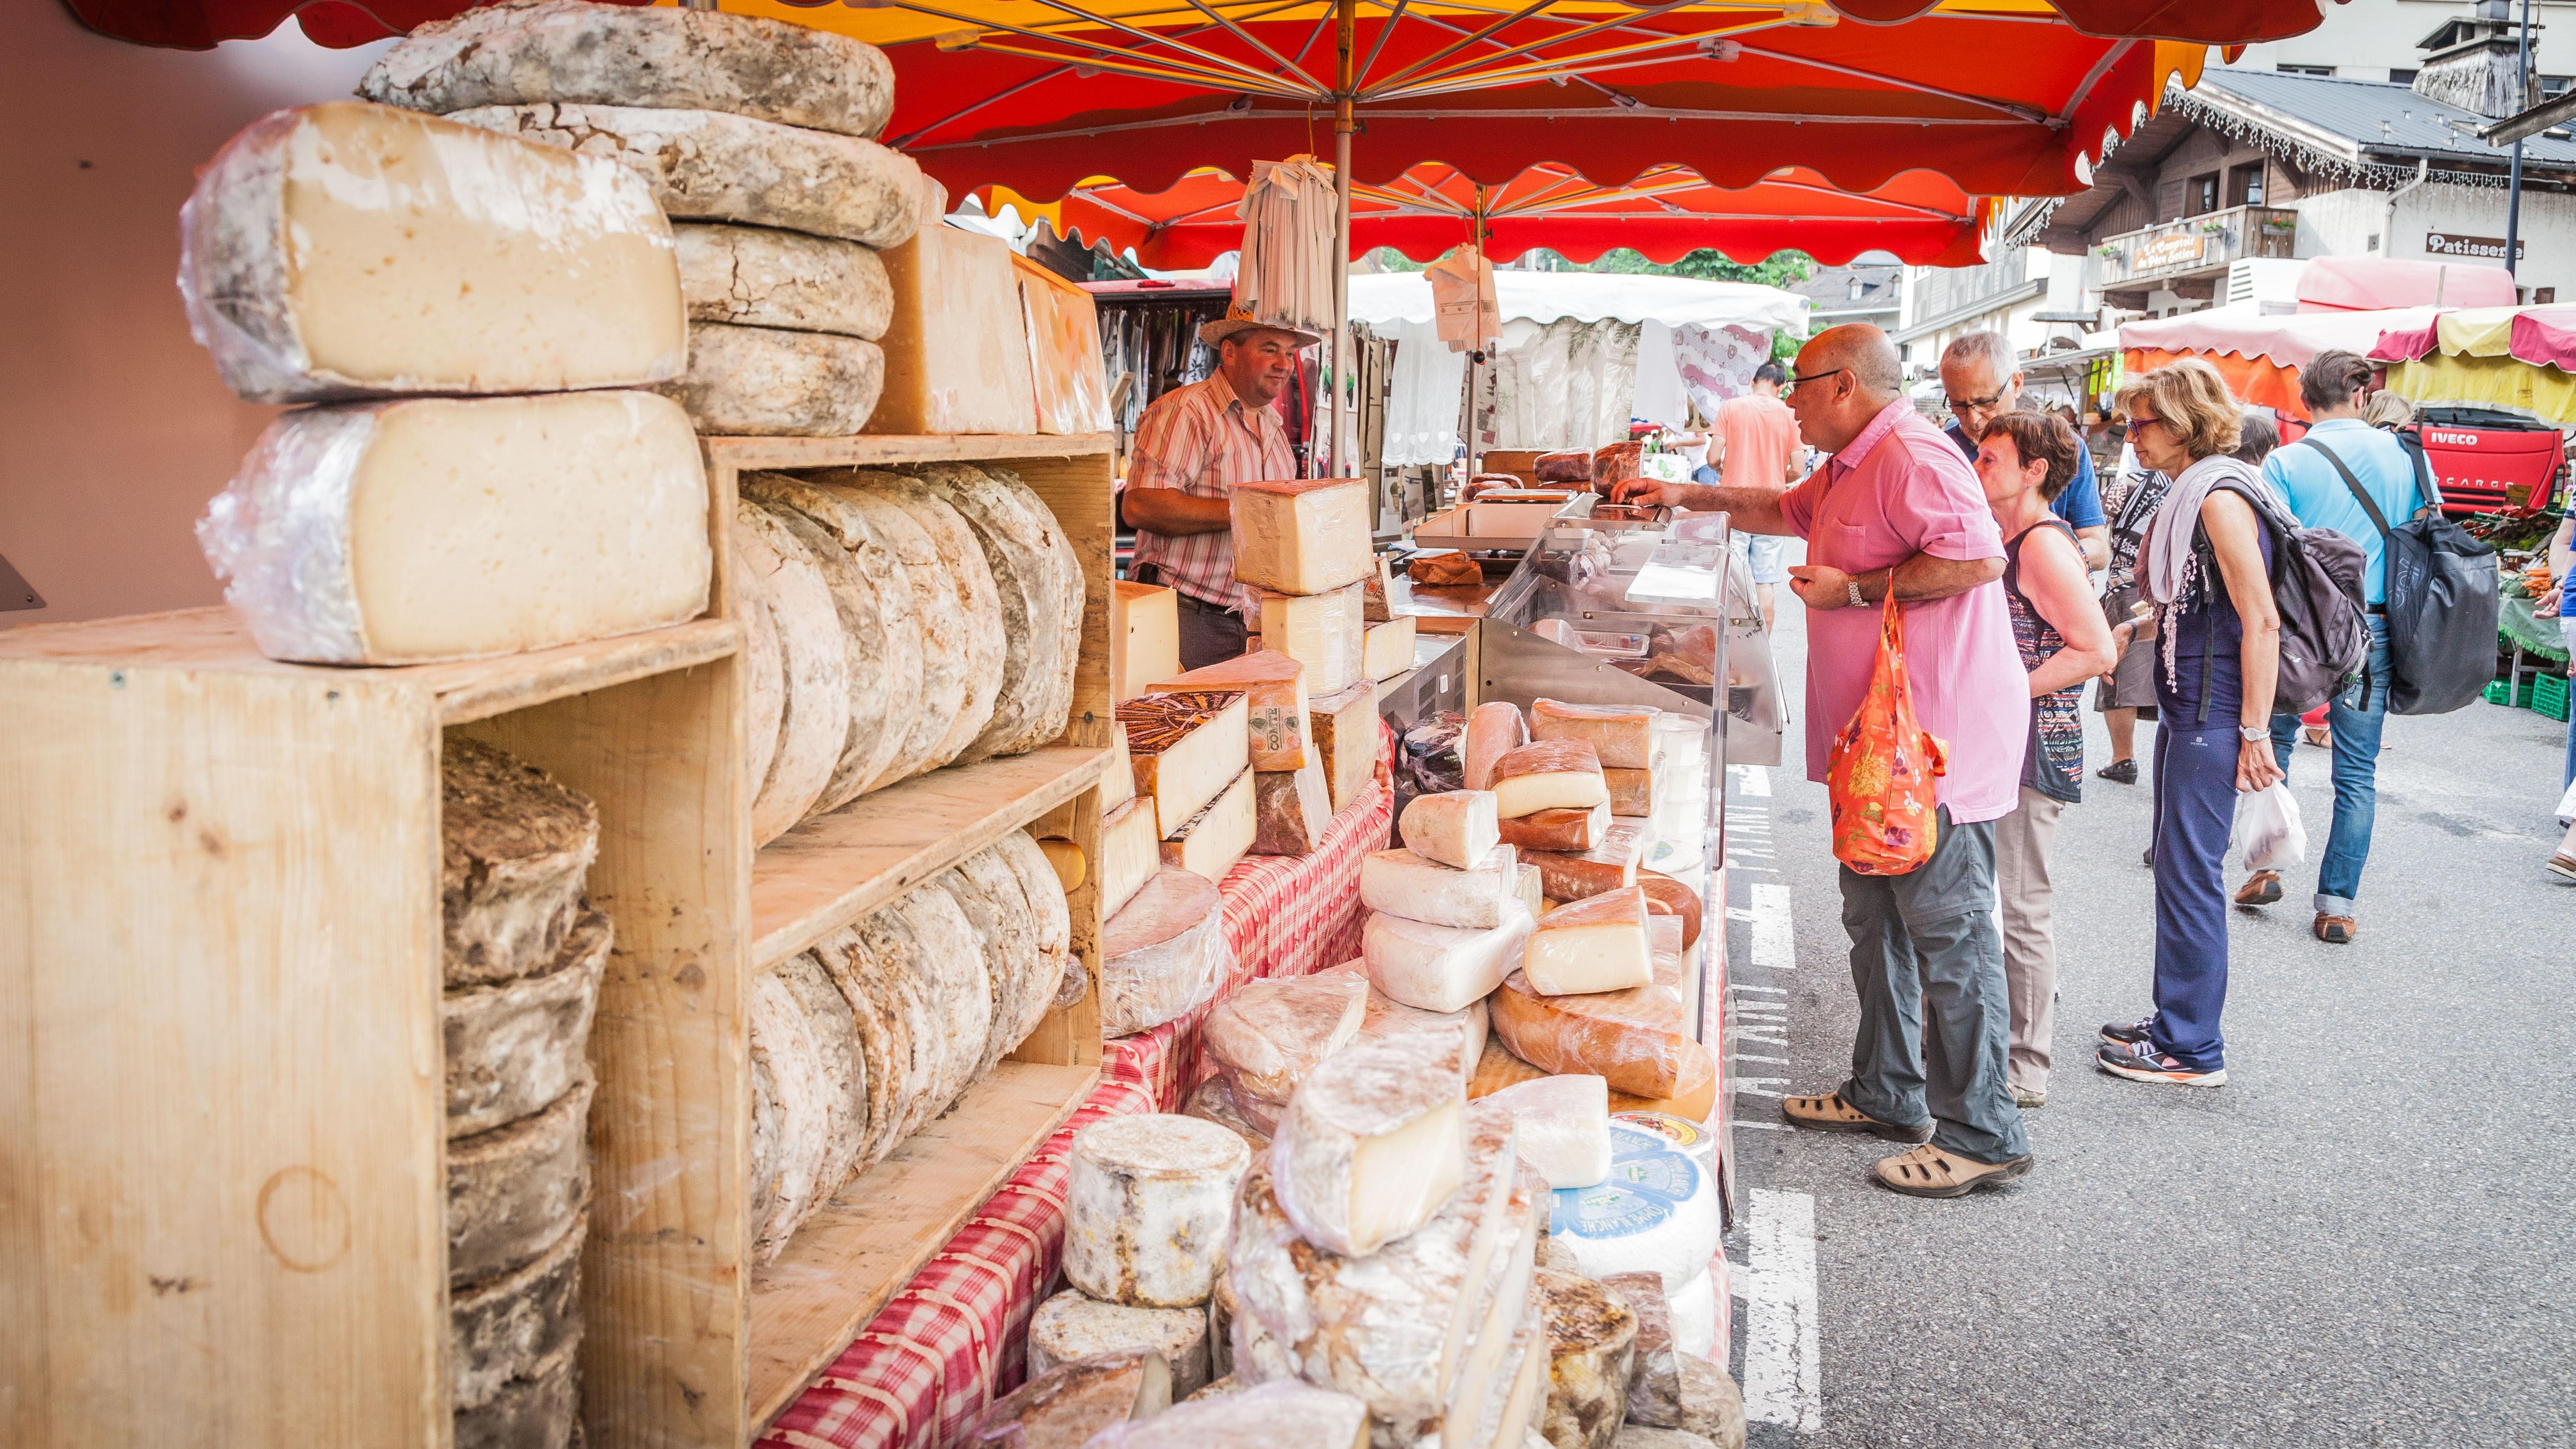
1193, 601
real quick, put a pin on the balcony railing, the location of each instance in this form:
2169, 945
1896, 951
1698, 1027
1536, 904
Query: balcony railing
2193, 245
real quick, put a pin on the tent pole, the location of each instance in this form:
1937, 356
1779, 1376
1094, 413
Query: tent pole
1475, 345
1345, 19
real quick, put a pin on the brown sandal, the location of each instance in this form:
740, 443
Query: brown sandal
1828, 1112
1927, 1171
2337, 930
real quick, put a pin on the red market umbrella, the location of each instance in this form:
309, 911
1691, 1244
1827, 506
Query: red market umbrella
1664, 212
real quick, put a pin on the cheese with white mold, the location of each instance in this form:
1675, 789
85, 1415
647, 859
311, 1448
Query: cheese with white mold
1621, 736
1457, 828
1185, 750
346, 250
1323, 632
1405, 883
1388, 651
1372, 1146
1301, 536
1462, 1031
1267, 1036
1442, 968
1595, 944
1548, 775
1494, 730
1148, 1200
758, 276
1161, 952
1066, 1406
773, 382
1274, 691
1564, 1124
1144, 637
1210, 842
1072, 1326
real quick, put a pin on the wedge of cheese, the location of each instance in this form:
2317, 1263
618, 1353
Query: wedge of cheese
1161, 952
1640, 1039
758, 276
1071, 1326
1389, 650
1442, 968
1144, 637
1290, 810
1274, 690
1301, 536
1282, 1414
1457, 828
1403, 883
1372, 1146
1185, 749
1343, 729
1573, 875
1632, 792
1569, 830
1063, 327
1072, 1402
1131, 850
1595, 944
1563, 1126
1464, 1030
1118, 777
1325, 632
1210, 842
1548, 775
1267, 1036
956, 350
452, 528
347, 250
1592, 1343
1621, 736
1493, 731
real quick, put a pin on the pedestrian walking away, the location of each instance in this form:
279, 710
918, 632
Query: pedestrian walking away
1896, 508
2024, 461
1755, 443
2335, 387
2206, 568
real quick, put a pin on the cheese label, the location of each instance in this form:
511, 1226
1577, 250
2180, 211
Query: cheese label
1672, 1129
1649, 1182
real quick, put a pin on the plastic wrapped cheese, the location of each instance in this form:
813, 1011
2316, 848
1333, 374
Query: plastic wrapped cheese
1656, 1213
1495, 729
1371, 1147
1162, 953
1071, 1326
1595, 944
1070, 1403
347, 250
439, 529
1564, 1127
1442, 968
1268, 1035
1568, 829
1592, 1340
1403, 883
1548, 775
1281, 1415
1622, 736
1638, 1038
1063, 325
1456, 828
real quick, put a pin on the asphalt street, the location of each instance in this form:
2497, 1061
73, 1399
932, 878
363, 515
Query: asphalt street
2365, 1238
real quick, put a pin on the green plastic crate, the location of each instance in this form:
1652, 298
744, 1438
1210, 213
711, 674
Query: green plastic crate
2549, 695
2499, 691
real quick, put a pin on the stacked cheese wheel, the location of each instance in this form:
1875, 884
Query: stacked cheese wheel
757, 134
473, 312
883, 1025
522, 956
896, 623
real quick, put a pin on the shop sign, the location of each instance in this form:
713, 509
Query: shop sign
2167, 251
2490, 248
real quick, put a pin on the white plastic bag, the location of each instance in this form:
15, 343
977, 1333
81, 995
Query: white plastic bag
2567, 806
2267, 825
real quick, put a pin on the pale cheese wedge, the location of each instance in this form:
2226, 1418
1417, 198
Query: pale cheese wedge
1442, 968
1596, 944
1372, 1146
1548, 775
1405, 883
1458, 828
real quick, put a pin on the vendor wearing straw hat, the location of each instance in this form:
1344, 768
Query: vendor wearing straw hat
1192, 446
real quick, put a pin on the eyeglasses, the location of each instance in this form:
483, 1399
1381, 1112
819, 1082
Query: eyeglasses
2138, 425
1796, 381
1965, 405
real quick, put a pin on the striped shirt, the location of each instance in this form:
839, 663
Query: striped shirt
1202, 439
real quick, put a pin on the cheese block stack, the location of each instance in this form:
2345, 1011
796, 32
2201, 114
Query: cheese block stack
883, 1025
1303, 547
922, 618
1446, 921
1629, 741
1384, 1248
473, 312
1191, 753
522, 957
1292, 787
757, 135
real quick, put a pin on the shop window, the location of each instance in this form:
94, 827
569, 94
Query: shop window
2401, 76
2245, 185
2202, 195
2554, 86
2304, 69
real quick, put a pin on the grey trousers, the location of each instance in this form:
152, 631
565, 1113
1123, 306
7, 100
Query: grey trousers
1928, 966
1209, 635
2025, 897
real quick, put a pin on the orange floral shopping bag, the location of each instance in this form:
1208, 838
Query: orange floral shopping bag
1879, 775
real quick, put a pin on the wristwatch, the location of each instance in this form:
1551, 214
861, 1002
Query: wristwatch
2254, 734
1851, 587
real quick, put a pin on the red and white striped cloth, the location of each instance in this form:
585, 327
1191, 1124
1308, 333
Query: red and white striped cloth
952, 1340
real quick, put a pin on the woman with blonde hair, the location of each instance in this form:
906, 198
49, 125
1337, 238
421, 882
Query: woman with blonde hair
2205, 567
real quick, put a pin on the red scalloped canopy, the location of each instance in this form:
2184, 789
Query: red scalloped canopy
1921, 217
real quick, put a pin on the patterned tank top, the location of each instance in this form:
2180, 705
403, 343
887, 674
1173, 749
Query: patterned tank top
2053, 763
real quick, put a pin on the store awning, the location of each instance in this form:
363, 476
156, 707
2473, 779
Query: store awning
1921, 217
2542, 336
2260, 356
1544, 297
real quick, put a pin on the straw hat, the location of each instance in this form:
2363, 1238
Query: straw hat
1239, 318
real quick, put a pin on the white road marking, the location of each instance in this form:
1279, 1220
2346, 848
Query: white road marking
1782, 1366
1754, 780
1773, 944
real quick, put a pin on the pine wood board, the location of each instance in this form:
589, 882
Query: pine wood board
887, 450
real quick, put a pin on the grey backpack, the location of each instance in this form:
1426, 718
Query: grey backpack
2316, 587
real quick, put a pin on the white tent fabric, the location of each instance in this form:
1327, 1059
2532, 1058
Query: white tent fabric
1594, 297
1563, 384
2288, 340
1661, 397
1422, 396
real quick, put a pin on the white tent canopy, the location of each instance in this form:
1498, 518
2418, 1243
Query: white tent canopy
1545, 297
2289, 340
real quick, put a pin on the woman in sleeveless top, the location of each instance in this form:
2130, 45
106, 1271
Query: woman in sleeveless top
2206, 568
2025, 460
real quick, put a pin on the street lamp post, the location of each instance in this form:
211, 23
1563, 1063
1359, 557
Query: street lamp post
2513, 193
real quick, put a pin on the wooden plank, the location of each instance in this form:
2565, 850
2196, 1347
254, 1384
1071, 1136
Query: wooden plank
835, 868
216, 640
220, 1215
890, 450
857, 1250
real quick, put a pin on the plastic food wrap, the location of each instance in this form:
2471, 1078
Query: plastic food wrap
1572, 466
1638, 1038
1265, 1038
1250, 1117
1163, 953
1445, 570
1280, 1415
1616, 461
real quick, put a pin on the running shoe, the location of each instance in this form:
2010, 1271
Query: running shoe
2143, 1063
2128, 1033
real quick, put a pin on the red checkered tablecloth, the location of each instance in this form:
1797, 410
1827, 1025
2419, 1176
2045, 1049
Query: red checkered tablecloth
951, 1340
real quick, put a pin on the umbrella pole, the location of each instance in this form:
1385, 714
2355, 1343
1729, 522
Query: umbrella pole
1345, 17
1475, 344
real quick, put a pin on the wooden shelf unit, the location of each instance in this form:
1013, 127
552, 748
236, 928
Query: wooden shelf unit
219, 937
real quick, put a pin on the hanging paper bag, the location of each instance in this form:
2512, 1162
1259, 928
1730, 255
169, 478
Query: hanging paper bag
1878, 777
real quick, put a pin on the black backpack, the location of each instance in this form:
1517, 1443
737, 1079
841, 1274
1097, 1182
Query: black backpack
2444, 594
2316, 589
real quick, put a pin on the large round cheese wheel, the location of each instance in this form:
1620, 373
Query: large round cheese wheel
937, 622
1148, 1200
514, 847
513, 1326
883, 1015
781, 1039
816, 723
833, 1025
514, 1190
513, 1047
875, 605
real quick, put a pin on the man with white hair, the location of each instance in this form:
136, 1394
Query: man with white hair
1982, 378
1895, 510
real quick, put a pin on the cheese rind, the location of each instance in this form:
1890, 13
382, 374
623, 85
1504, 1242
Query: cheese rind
1071, 1326
1595, 944
1458, 828
1290, 810
1622, 736
1639, 1038
1494, 730
1371, 1147
957, 352
705, 165
881, 1008
881, 646
440, 529
1185, 749
1344, 729
564, 51
757, 276
1574, 830
1067, 1405
1274, 690
514, 1046
1442, 968
981, 621
1665, 894
1161, 952
1591, 1339
1462, 1030
514, 849
1632, 792
1148, 1200
1404, 883
1301, 536
1277, 1415
1268, 1035
949, 642
1131, 850
1210, 842
1388, 649
1039, 584
1323, 632
1548, 775
512, 1328
1573, 875
513, 1191
815, 728
1564, 1127
1654, 1376
1144, 636
346, 250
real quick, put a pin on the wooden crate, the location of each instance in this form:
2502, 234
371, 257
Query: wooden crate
219, 941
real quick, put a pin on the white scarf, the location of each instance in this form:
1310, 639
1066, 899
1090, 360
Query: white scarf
2167, 549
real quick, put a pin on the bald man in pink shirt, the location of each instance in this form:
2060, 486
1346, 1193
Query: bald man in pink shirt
1895, 506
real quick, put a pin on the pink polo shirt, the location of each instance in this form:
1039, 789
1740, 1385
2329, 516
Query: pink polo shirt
1899, 489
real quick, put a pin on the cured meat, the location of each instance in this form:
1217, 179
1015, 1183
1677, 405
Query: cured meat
514, 847
1449, 569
